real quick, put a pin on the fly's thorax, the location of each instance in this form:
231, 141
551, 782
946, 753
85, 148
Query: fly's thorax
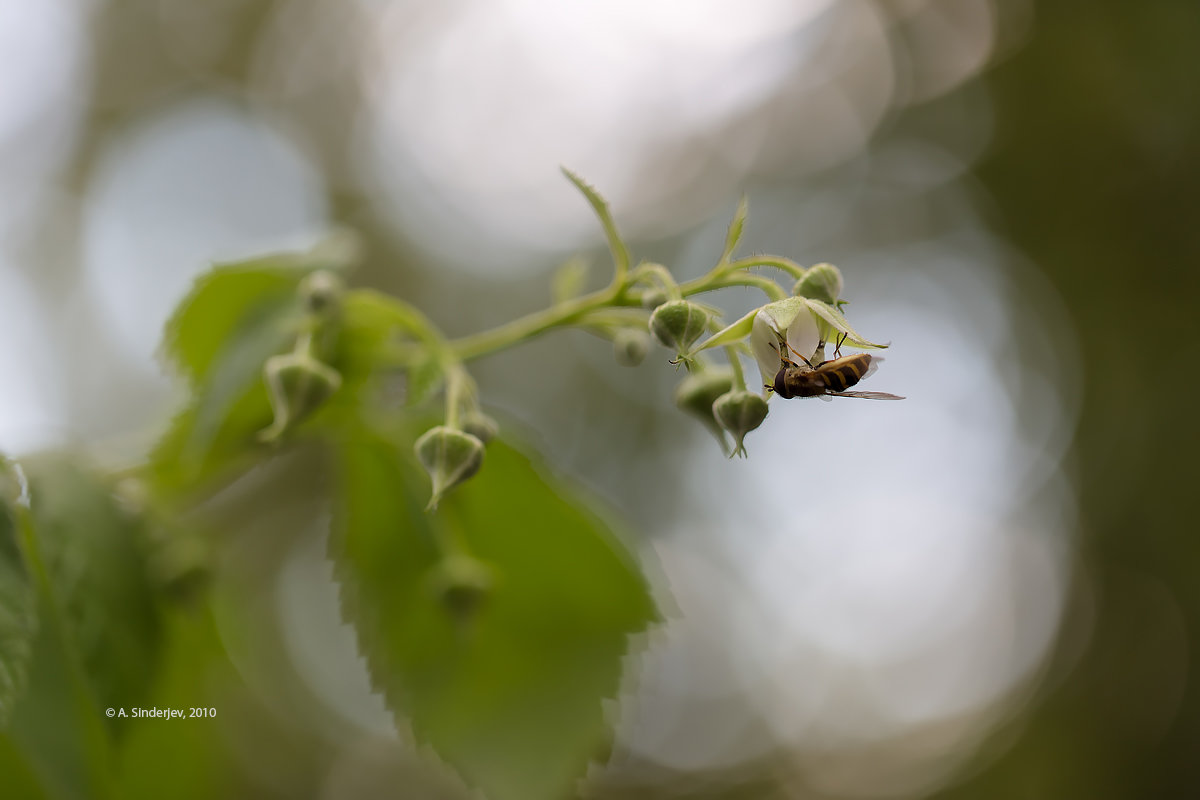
794, 381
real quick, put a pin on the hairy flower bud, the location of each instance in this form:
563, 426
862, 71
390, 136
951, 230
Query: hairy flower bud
297, 385
462, 583
653, 298
480, 425
322, 290
697, 393
739, 412
630, 346
449, 456
677, 324
821, 282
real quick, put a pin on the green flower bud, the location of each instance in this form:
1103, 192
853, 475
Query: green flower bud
462, 584
450, 457
322, 291
740, 412
480, 425
677, 324
653, 298
297, 385
697, 393
821, 282
629, 346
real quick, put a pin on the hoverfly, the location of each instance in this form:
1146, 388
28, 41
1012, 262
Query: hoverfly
826, 378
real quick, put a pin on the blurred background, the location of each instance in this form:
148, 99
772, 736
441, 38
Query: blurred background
988, 591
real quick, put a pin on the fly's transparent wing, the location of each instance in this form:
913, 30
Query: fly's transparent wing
868, 395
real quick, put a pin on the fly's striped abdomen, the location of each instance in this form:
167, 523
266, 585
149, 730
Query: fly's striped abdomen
842, 373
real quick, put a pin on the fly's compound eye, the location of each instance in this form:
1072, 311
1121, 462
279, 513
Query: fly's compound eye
781, 384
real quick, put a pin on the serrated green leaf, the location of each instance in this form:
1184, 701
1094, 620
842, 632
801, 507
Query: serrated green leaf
192, 756
838, 322
734, 235
567, 283
511, 697
221, 305
620, 253
18, 616
93, 553
98, 634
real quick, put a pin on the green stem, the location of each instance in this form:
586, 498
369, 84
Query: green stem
527, 327
665, 279
707, 284
779, 262
456, 385
735, 362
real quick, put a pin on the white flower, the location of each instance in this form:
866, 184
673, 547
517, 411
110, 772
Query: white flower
791, 319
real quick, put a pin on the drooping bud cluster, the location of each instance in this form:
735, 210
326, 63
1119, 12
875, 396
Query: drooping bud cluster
449, 456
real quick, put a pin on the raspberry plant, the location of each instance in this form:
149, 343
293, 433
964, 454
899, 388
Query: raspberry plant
494, 632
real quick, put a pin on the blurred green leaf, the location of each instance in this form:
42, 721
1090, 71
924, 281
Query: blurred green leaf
510, 696
190, 756
222, 304
734, 235
18, 615
620, 253
97, 641
234, 319
373, 326
424, 378
94, 555
567, 283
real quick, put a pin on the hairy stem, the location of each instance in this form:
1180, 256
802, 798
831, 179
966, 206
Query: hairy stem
527, 327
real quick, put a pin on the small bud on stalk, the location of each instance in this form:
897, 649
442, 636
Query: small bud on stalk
297, 385
450, 457
697, 393
322, 290
821, 282
678, 324
739, 412
480, 425
653, 298
630, 346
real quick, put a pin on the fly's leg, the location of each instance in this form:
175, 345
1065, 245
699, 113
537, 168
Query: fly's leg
808, 363
782, 349
837, 350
